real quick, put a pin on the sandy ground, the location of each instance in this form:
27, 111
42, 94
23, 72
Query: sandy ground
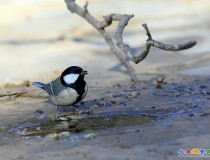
41, 38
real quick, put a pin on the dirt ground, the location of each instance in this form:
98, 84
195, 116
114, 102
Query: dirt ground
114, 121
145, 123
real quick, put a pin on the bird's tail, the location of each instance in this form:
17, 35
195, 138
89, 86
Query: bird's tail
43, 86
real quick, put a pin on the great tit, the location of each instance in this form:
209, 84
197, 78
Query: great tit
68, 89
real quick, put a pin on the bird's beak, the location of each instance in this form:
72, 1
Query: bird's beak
84, 72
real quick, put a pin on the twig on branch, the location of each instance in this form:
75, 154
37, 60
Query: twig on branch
86, 5
147, 32
136, 57
100, 26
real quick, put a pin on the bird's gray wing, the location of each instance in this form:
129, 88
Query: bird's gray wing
56, 87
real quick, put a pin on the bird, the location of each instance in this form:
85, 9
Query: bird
68, 89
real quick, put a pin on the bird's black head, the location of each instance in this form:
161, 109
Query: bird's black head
72, 75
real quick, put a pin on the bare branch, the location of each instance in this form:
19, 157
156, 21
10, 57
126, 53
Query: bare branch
100, 26
139, 56
170, 47
136, 57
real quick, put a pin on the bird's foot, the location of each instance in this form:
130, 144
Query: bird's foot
86, 112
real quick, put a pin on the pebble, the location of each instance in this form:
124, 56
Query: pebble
64, 134
39, 111
90, 136
57, 136
62, 125
132, 94
53, 137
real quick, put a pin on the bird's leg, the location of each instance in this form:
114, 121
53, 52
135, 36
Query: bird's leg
58, 113
66, 109
62, 110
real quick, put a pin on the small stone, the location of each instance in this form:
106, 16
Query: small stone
62, 119
39, 111
62, 125
113, 101
75, 117
123, 106
42, 117
132, 94
205, 93
117, 95
101, 102
203, 86
125, 146
53, 137
72, 125
94, 107
90, 136
64, 134
177, 95
191, 115
117, 86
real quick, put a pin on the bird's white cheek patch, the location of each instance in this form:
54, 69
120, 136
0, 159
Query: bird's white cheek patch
70, 78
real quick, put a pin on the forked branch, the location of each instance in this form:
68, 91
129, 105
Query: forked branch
136, 57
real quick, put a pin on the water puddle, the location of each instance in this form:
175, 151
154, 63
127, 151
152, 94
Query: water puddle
108, 122
91, 123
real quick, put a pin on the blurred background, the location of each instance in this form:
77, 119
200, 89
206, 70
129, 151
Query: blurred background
40, 38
